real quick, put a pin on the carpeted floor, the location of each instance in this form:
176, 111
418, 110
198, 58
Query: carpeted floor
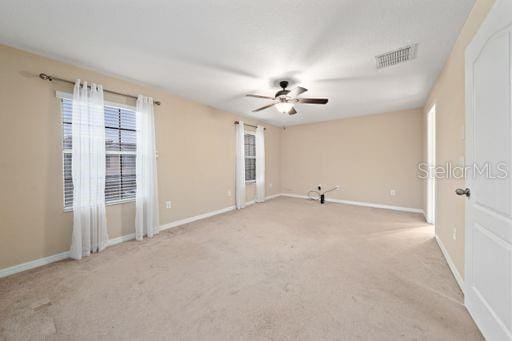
287, 269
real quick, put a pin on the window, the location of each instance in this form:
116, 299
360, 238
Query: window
250, 157
120, 143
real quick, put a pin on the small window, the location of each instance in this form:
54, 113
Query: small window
250, 157
120, 147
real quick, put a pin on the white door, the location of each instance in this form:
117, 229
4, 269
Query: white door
488, 243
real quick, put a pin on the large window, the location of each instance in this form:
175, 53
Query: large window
120, 143
250, 157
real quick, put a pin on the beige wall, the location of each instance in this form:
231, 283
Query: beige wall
196, 154
195, 165
448, 96
367, 156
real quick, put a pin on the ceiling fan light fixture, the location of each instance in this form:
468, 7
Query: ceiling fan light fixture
284, 107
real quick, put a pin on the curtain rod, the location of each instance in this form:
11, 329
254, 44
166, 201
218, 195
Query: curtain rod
249, 125
49, 78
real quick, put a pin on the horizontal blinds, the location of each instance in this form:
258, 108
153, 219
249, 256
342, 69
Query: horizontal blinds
250, 157
120, 146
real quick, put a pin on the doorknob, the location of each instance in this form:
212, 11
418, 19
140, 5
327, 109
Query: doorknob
463, 191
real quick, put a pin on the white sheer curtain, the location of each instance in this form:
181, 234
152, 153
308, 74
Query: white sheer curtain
88, 168
260, 164
146, 217
240, 165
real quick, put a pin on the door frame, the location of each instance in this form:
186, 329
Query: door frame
431, 160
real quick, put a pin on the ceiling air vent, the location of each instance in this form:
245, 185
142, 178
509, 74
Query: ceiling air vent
401, 55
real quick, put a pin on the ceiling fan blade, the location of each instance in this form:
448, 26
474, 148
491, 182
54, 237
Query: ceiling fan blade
297, 91
265, 107
260, 96
292, 111
312, 100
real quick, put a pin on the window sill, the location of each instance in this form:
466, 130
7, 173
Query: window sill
248, 182
110, 203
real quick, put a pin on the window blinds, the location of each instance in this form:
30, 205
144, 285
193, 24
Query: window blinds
120, 144
250, 157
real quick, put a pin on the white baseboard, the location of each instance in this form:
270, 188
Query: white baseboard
360, 203
195, 218
368, 204
122, 239
266, 198
208, 214
298, 196
33, 264
273, 196
451, 265
54, 258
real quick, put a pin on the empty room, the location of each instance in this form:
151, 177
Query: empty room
256, 170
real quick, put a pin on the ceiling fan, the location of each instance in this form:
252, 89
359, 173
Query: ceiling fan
285, 99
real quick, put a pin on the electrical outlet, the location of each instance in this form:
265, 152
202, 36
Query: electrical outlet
270, 185
392, 192
454, 233
168, 204
229, 192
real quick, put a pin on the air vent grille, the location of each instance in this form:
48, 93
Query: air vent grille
401, 55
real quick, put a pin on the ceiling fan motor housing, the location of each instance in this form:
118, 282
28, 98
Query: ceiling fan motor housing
282, 93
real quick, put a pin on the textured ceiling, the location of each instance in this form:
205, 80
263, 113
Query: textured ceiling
216, 51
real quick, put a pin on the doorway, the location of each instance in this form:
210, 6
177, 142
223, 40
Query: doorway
431, 159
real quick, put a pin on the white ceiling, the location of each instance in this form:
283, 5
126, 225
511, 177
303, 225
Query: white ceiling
216, 51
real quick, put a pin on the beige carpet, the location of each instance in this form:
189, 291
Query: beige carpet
285, 270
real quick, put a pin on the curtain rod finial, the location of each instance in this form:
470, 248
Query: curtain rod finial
45, 77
